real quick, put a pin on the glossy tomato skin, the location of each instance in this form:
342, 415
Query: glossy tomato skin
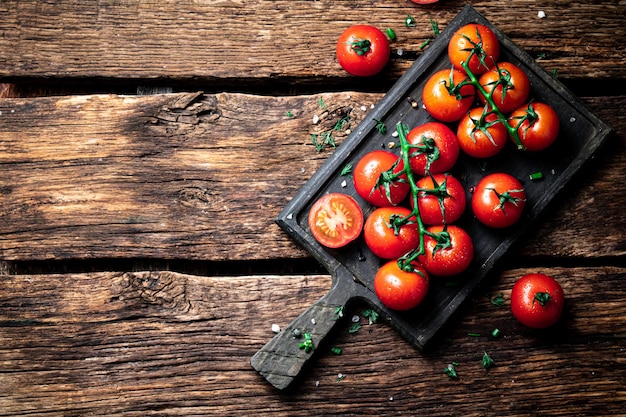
437, 160
498, 200
449, 261
508, 85
481, 135
363, 50
477, 38
429, 202
537, 301
447, 96
383, 240
539, 125
335, 220
368, 170
398, 289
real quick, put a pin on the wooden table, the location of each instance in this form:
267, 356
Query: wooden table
146, 149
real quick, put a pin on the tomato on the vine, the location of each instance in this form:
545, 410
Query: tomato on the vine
372, 177
441, 199
335, 220
363, 50
508, 86
448, 250
448, 95
434, 148
537, 125
398, 289
537, 301
476, 44
498, 200
481, 134
391, 232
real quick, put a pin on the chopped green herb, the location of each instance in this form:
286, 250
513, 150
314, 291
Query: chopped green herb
307, 344
541, 55
496, 333
434, 25
339, 312
354, 328
409, 21
289, 114
340, 377
555, 73
380, 126
536, 176
336, 350
498, 300
371, 315
425, 43
322, 104
347, 170
474, 334
391, 34
322, 140
342, 122
450, 370
487, 361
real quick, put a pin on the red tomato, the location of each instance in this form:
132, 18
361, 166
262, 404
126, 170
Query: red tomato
481, 134
369, 178
447, 96
398, 289
386, 237
435, 148
441, 199
537, 301
498, 200
476, 44
335, 220
537, 125
424, 1
508, 86
363, 50
448, 250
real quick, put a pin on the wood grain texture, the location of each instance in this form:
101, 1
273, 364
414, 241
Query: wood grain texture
163, 343
292, 41
203, 176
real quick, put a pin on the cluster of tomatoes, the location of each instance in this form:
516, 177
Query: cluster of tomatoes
488, 101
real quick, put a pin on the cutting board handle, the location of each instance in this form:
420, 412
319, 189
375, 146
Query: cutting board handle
283, 357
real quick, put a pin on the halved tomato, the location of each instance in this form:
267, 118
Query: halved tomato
335, 220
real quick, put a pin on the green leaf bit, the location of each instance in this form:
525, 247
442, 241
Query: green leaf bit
307, 344
487, 362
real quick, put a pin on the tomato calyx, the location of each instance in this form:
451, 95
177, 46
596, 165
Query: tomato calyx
476, 49
530, 115
543, 298
427, 146
361, 46
506, 197
396, 221
504, 80
440, 191
482, 125
455, 89
388, 178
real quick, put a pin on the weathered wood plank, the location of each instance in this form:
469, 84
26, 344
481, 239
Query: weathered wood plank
142, 343
194, 176
281, 40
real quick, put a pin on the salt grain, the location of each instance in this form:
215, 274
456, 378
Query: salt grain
316, 119
541, 14
275, 328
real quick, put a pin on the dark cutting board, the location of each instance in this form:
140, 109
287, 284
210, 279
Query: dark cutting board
353, 268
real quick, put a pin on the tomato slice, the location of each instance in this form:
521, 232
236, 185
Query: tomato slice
335, 220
